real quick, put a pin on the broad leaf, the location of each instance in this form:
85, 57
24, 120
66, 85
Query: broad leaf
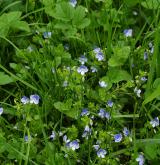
5, 79
116, 75
151, 4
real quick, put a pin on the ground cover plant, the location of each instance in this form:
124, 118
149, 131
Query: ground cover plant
79, 82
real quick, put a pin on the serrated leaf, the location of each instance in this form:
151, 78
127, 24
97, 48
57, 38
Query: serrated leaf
151, 4
5, 79
78, 19
63, 11
120, 56
116, 75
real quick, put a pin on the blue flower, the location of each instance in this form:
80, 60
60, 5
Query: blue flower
93, 69
97, 50
66, 46
65, 83
96, 147
152, 50
74, 145
24, 100
53, 70
85, 112
100, 56
53, 135
128, 32
82, 70
155, 122
107, 115
145, 57
83, 59
26, 138
65, 139
110, 103
118, 137
73, 2
47, 35
1, 110
34, 99
125, 131
143, 79
86, 132
140, 159
103, 84
101, 153
102, 113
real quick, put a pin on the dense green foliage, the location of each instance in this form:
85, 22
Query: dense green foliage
79, 82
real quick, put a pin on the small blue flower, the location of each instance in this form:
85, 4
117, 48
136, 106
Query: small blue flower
102, 113
53, 70
30, 49
103, 84
118, 137
1, 110
53, 135
96, 147
74, 145
24, 100
145, 57
110, 103
26, 138
65, 83
66, 46
85, 112
47, 35
82, 70
65, 139
83, 59
34, 99
100, 56
140, 159
97, 50
101, 153
93, 69
86, 132
128, 32
73, 3
125, 131
107, 115
155, 122
152, 50
150, 45
143, 79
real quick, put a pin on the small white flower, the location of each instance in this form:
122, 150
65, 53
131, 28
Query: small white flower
103, 84
155, 122
93, 69
137, 91
47, 35
83, 59
140, 159
96, 147
53, 135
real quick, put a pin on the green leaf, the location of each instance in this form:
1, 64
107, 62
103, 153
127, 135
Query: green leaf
21, 25
153, 95
120, 56
5, 79
63, 11
78, 19
151, 4
68, 108
12, 20
150, 151
116, 75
